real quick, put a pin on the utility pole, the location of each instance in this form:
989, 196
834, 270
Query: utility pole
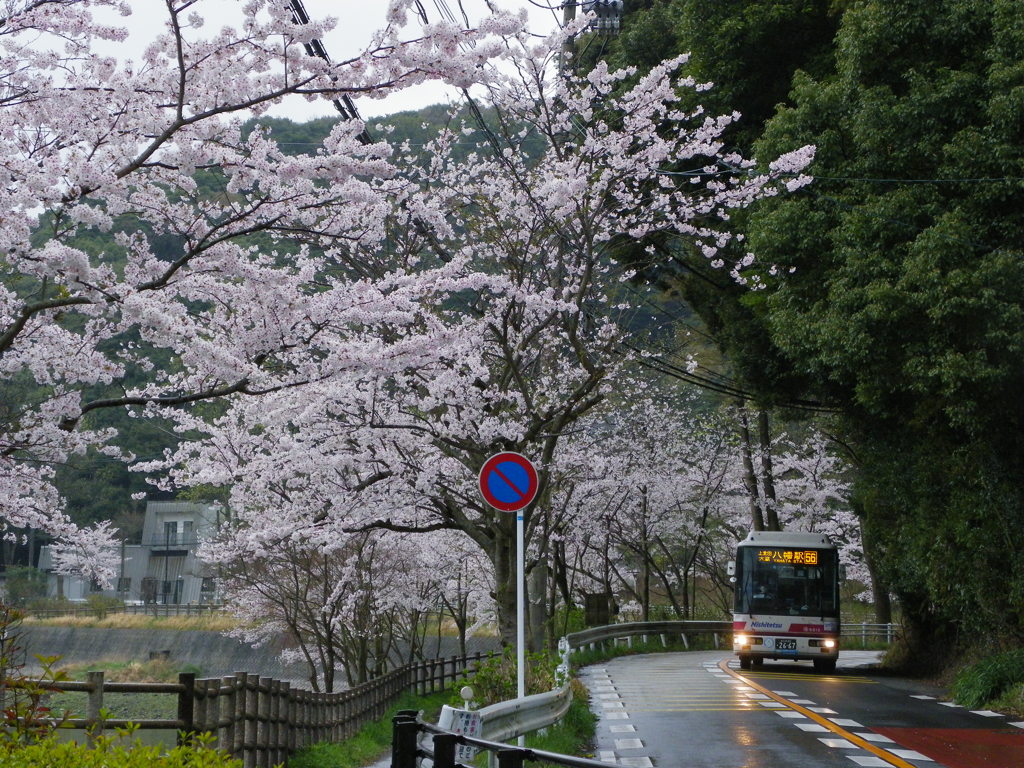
569, 46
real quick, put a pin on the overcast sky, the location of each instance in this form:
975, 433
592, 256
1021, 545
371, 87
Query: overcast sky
357, 19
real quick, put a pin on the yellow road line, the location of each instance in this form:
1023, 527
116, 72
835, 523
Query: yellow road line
701, 709
862, 743
816, 678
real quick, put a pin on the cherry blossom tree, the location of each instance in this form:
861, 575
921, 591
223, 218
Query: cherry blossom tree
141, 223
357, 604
515, 338
648, 483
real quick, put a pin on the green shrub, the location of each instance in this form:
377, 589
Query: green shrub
110, 752
100, 605
989, 678
496, 678
24, 584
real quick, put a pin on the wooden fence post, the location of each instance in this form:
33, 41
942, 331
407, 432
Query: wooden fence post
241, 717
226, 734
94, 706
280, 714
186, 706
263, 696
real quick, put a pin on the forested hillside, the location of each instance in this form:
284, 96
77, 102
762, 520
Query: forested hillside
898, 300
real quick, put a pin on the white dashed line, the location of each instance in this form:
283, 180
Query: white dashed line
838, 743
811, 727
951, 704
868, 762
1017, 725
986, 713
629, 744
823, 710
876, 737
909, 754
845, 723
636, 762
924, 698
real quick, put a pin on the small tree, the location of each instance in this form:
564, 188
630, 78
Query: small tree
24, 583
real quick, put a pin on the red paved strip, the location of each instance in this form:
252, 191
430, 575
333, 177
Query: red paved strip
962, 747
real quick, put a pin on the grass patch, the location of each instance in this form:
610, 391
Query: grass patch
214, 622
991, 679
574, 735
1010, 702
153, 671
124, 706
372, 741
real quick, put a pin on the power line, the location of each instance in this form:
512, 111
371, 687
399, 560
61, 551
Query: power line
344, 104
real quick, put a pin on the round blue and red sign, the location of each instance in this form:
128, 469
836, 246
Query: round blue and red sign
508, 481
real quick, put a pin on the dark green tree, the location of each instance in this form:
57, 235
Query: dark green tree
906, 302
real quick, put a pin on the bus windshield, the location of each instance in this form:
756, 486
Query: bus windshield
787, 582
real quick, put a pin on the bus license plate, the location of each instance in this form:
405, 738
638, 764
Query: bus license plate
785, 645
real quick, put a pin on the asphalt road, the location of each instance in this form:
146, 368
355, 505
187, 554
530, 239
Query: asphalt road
698, 710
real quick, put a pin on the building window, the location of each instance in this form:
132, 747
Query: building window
207, 589
149, 589
124, 585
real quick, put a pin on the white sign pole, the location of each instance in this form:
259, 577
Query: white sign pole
508, 495
520, 614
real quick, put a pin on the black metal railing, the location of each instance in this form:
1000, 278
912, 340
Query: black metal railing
408, 745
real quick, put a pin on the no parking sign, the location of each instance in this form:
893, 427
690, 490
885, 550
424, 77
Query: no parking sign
508, 481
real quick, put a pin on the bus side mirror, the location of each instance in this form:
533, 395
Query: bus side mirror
730, 568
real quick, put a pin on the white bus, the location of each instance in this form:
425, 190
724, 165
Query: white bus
786, 599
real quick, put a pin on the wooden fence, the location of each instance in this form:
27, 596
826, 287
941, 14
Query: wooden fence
261, 720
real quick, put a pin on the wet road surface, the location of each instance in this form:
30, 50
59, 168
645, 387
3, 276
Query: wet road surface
698, 710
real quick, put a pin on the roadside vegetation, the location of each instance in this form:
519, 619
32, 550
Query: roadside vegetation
994, 682
212, 622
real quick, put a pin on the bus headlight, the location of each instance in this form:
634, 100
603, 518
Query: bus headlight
741, 640
829, 643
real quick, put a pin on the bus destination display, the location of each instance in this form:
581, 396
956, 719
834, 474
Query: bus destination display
788, 556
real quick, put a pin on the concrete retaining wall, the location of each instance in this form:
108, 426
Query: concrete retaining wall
211, 652
214, 654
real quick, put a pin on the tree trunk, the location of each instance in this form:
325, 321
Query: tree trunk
749, 477
879, 590
538, 605
503, 558
767, 473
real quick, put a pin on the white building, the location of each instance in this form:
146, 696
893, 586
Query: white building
163, 569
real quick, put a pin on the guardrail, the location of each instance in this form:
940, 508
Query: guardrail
719, 630
871, 632
646, 629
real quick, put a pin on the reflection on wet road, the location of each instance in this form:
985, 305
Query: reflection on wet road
689, 711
